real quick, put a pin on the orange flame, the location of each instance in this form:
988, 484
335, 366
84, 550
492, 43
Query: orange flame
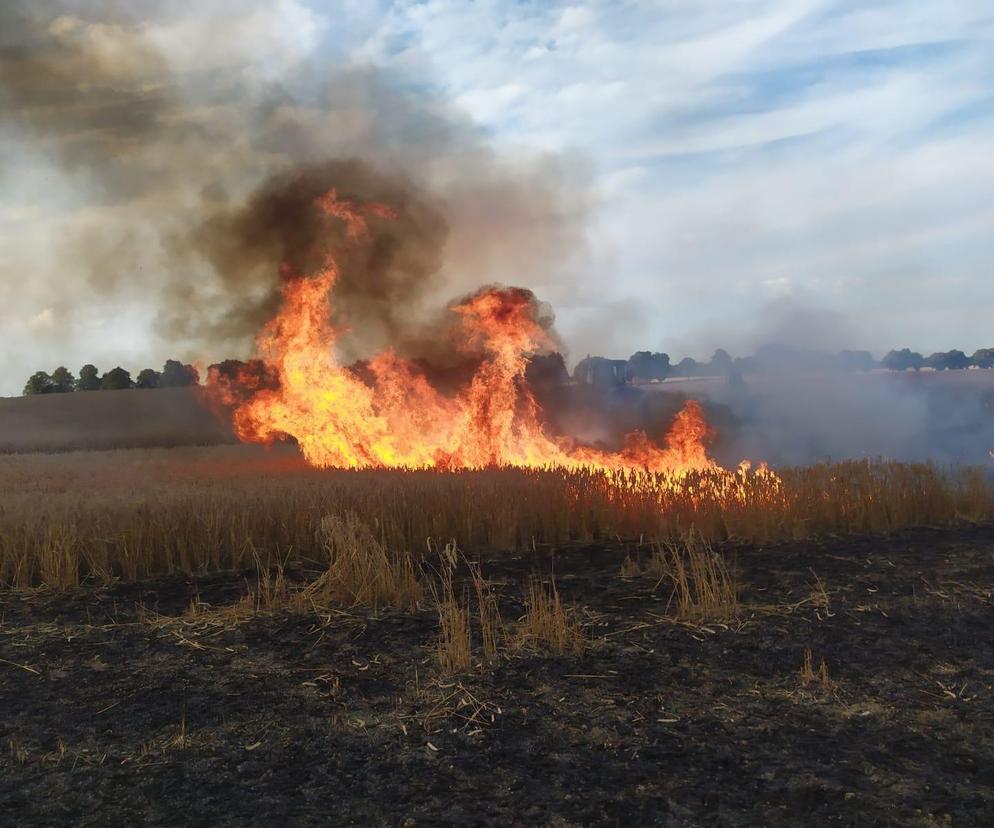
399, 419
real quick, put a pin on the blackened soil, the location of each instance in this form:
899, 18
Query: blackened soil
121, 708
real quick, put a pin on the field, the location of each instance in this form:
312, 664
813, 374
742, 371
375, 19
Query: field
222, 635
108, 419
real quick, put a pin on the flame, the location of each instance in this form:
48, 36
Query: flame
398, 419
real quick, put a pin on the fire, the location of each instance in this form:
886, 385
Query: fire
398, 419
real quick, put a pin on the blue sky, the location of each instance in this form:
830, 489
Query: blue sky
816, 170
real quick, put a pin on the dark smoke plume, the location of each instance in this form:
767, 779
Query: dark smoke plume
192, 179
381, 273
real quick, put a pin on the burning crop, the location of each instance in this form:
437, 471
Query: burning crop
394, 417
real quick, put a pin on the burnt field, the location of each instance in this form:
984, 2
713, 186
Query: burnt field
849, 682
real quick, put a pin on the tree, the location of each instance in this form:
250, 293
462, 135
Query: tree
233, 380
956, 360
856, 361
903, 360
648, 366
148, 378
687, 367
89, 378
38, 383
721, 363
62, 380
546, 369
116, 379
177, 375
948, 360
984, 358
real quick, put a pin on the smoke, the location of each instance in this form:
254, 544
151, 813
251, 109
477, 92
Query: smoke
381, 273
182, 152
792, 417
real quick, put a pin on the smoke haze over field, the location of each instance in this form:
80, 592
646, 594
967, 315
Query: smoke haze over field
177, 179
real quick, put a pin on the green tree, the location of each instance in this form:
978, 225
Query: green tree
116, 379
984, 358
148, 378
38, 383
948, 360
721, 363
62, 380
645, 365
176, 375
687, 367
89, 378
903, 360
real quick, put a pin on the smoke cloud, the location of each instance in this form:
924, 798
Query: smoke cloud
182, 158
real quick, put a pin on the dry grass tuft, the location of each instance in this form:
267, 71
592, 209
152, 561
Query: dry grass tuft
455, 644
272, 592
472, 617
808, 674
549, 625
361, 570
18, 752
487, 614
630, 567
182, 738
704, 587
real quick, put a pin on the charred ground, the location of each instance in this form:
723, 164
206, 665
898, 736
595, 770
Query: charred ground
122, 706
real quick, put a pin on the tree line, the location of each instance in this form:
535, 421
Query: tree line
174, 374
647, 366
643, 366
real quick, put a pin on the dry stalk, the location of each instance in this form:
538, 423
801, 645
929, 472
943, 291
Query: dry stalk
488, 614
630, 567
703, 585
455, 644
808, 674
547, 624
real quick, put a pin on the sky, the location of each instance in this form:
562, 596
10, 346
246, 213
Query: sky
758, 170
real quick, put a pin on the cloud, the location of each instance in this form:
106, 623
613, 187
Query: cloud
827, 150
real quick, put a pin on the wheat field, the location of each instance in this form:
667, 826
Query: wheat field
81, 517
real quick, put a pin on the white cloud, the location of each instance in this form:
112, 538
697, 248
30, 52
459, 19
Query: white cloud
264, 40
